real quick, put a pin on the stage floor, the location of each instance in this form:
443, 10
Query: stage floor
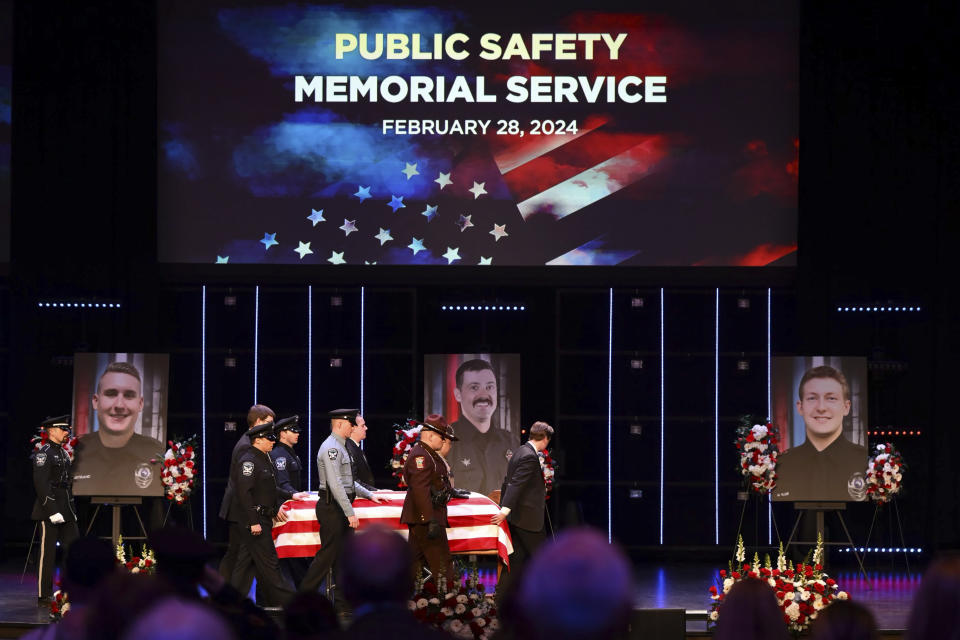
674, 586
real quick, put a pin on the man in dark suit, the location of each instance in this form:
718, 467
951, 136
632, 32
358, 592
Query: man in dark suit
523, 495
358, 460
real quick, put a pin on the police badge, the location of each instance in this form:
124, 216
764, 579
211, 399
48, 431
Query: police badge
143, 475
857, 487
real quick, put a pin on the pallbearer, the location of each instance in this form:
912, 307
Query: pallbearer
54, 505
287, 469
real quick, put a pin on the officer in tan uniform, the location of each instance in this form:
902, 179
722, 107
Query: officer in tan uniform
425, 506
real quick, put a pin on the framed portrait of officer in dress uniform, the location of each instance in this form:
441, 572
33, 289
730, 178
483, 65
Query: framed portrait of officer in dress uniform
120, 417
820, 408
479, 395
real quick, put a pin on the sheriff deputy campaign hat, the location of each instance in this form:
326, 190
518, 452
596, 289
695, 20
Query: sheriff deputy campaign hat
265, 430
288, 424
344, 414
436, 422
60, 422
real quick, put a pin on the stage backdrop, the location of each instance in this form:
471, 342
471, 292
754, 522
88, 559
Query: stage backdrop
837, 471
120, 421
495, 133
6, 107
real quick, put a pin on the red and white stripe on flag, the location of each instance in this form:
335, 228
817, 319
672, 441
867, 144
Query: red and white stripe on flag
470, 528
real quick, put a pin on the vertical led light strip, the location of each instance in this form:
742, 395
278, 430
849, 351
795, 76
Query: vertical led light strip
309, 385
716, 419
363, 311
203, 403
610, 420
662, 417
769, 399
256, 339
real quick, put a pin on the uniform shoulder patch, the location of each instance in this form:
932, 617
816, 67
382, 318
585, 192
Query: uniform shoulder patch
281, 463
419, 461
332, 453
247, 469
40, 459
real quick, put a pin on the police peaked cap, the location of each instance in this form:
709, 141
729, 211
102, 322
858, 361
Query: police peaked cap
436, 422
288, 424
344, 414
60, 422
265, 430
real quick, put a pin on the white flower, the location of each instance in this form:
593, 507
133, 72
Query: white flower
480, 621
714, 615
818, 604
449, 595
771, 582
135, 570
842, 595
64, 609
759, 431
727, 584
494, 624
421, 603
447, 611
475, 612
898, 477
462, 598
459, 609
411, 605
434, 600
474, 596
455, 625
793, 610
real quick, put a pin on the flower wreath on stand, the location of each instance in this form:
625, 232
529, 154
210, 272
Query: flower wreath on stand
406, 435
466, 612
758, 447
802, 590
885, 473
179, 469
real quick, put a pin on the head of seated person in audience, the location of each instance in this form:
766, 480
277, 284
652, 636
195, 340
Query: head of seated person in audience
181, 555
844, 620
119, 601
181, 619
308, 616
89, 562
750, 612
376, 569
936, 604
586, 582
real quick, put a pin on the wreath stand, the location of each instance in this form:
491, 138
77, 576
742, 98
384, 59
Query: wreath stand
820, 509
186, 505
117, 503
903, 543
745, 496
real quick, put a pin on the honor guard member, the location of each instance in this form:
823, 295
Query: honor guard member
359, 465
54, 505
256, 502
287, 468
336, 494
425, 506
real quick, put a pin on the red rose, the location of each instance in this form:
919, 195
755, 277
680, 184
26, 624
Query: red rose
723, 573
736, 575
831, 581
781, 595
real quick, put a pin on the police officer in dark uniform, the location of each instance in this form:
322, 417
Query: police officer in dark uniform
287, 468
54, 504
336, 494
425, 507
256, 502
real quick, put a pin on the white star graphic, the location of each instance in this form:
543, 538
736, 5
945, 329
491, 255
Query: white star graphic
443, 180
363, 193
499, 231
416, 245
336, 258
452, 254
410, 170
316, 216
269, 239
348, 226
486, 261
223, 259
303, 249
383, 236
430, 212
464, 223
477, 190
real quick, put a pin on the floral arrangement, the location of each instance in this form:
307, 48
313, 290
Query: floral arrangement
60, 604
884, 473
549, 467
178, 469
406, 435
802, 590
42, 438
465, 612
757, 444
146, 562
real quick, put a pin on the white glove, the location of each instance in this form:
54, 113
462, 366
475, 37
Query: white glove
57, 518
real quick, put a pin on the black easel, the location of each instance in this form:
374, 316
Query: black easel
820, 509
903, 542
117, 502
762, 503
186, 505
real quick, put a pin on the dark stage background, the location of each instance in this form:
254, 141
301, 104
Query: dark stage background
878, 201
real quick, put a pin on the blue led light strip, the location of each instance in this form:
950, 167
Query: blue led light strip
610, 420
203, 404
309, 384
256, 340
662, 417
716, 418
